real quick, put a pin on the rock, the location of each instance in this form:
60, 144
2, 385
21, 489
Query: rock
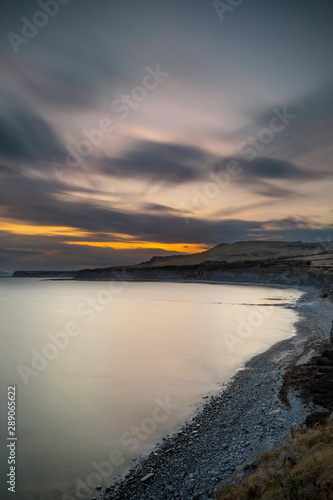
278, 410
146, 477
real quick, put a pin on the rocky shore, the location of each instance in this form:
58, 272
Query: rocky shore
250, 415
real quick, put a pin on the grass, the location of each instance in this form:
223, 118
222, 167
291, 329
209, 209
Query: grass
301, 470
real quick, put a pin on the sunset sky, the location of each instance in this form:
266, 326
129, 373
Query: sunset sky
145, 127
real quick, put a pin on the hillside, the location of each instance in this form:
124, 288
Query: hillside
248, 251
242, 262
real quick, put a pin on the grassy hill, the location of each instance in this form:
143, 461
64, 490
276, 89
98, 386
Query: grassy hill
301, 470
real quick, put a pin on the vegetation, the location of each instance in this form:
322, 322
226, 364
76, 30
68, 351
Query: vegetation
301, 470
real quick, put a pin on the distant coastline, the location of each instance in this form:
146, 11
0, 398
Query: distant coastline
266, 262
276, 274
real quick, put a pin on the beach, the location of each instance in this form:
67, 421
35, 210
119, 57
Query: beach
233, 427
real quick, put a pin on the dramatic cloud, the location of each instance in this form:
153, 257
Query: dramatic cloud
260, 174
305, 139
244, 91
157, 161
26, 136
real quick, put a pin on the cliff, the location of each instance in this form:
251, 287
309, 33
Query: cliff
282, 273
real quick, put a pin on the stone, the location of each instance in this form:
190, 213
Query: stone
146, 477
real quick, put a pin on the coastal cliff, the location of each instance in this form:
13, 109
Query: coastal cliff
281, 273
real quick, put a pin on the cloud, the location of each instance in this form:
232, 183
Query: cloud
172, 163
37, 202
268, 190
307, 140
25, 135
176, 164
270, 177
73, 79
272, 169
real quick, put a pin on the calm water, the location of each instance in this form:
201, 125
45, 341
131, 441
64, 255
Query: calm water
103, 373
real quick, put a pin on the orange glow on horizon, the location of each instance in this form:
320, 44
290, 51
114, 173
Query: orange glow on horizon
118, 241
15, 227
120, 245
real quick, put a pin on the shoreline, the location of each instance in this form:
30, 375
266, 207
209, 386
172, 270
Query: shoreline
234, 426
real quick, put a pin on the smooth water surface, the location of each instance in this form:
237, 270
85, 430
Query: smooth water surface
103, 370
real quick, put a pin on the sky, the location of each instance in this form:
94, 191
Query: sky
148, 127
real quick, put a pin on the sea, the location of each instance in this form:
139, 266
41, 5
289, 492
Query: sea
103, 371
